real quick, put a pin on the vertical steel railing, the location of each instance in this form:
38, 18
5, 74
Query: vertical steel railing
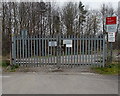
32, 50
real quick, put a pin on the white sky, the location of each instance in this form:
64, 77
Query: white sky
92, 4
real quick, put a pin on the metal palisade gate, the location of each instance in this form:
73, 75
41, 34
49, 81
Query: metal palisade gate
58, 51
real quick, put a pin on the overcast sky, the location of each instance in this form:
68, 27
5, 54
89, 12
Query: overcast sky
93, 4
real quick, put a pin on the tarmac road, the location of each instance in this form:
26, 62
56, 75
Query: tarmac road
58, 83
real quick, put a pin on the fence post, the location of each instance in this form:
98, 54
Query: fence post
104, 50
58, 51
13, 50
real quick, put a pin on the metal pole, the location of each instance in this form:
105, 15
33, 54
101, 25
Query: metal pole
11, 54
59, 47
111, 48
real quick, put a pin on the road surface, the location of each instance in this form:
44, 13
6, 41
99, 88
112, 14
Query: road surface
59, 83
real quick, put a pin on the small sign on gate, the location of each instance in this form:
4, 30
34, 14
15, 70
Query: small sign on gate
52, 43
68, 43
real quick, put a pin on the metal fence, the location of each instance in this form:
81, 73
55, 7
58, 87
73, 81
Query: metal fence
58, 50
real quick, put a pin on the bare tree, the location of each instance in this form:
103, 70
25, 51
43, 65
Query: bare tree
82, 16
69, 15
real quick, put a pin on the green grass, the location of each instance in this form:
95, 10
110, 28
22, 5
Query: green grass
13, 68
0, 63
6, 65
111, 69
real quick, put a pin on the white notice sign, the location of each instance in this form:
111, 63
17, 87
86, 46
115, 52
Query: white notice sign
52, 43
111, 37
68, 43
112, 28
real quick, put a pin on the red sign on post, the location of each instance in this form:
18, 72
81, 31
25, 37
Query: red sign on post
111, 20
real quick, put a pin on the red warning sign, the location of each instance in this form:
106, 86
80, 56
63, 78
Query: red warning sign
111, 20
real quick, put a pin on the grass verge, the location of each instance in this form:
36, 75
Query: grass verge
109, 69
5, 64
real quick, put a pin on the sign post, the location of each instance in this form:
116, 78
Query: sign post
111, 23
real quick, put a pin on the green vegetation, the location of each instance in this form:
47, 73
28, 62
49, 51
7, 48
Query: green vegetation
6, 66
111, 69
4, 63
0, 63
13, 68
